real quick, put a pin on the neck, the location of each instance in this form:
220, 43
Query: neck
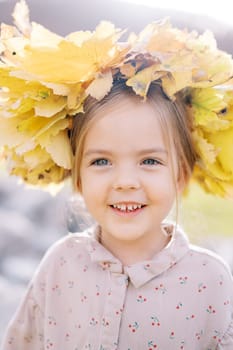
131, 252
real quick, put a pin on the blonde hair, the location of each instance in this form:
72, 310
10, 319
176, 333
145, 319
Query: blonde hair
174, 119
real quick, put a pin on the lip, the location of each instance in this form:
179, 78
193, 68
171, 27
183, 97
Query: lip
128, 203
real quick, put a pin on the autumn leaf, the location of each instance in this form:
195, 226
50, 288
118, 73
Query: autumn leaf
141, 81
21, 17
101, 85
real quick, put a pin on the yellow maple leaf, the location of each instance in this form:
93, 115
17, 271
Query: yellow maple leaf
60, 150
21, 17
41, 37
43, 58
204, 148
169, 40
35, 126
101, 85
141, 81
43, 137
208, 104
75, 97
35, 167
50, 106
9, 133
211, 183
175, 81
212, 69
223, 141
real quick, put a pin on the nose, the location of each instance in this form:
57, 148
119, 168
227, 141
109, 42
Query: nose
126, 179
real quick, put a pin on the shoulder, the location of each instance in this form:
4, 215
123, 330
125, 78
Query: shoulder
65, 260
208, 258
197, 259
65, 251
206, 263
72, 241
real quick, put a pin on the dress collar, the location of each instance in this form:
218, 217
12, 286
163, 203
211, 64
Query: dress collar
142, 272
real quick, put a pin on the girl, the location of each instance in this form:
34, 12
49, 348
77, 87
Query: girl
132, 282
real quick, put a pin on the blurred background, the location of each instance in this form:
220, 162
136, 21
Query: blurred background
30, 219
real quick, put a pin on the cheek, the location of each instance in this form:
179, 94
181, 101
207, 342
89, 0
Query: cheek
162, 187
91, 186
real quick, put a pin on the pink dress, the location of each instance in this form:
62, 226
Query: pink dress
81, 297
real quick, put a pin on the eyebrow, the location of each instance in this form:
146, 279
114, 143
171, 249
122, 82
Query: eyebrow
141, 152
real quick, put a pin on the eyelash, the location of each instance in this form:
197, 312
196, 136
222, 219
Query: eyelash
155, 161
96, 162
105, 162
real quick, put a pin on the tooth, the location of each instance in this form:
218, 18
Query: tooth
125, 207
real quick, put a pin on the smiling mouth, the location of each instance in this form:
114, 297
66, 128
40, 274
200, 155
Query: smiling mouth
127, 208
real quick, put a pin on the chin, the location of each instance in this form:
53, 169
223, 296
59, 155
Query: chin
128, 235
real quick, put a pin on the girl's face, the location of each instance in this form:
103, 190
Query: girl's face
126, 176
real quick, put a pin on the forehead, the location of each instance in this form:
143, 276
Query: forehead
128, 121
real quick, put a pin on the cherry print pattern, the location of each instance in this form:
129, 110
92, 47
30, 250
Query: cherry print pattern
75, 296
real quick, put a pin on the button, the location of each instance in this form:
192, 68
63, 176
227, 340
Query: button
121, 280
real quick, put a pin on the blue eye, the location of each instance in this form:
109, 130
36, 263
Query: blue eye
100, 162
150, 161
